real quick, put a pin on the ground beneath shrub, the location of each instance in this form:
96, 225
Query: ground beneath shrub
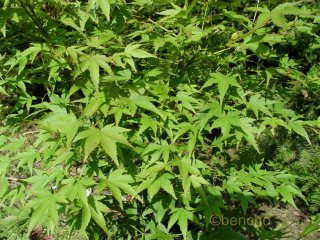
290, 222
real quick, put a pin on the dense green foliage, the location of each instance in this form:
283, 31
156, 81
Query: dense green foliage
292, 153
143, 119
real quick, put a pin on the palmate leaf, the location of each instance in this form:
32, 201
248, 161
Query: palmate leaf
62, 122
28, 157
93, 63
298, 128
158, 150
91, 207
242, 126
286, 194
210, 110
26, 56
150, 171
93, 105
94, 209
223, 81
153, 179
104, 5
259, 104
277, 15
146, 123
161, 181
181, 216
119, 182
198, 183
184, 100
135, 51
225, 121
92, 141
105, 8
70, 22
184, 128
45, 209
107, 138
111, 135
186, 166
145, 102
162, 204
248, 132
77, 189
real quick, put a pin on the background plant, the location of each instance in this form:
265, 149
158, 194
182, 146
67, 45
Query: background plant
142, 119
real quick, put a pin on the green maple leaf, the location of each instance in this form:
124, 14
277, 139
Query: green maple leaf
185, 100
145, 102
258, 104
105, 8
181, 216
298, 128
93, 209
147, 122
163, 149
119, 182
45, 209
108, 137
243, 127
62, 122
135, 51
223, 81
93, 63
162, 181
225, 121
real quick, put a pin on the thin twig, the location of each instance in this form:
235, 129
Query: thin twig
163, 28
13, 179
33, 17
255, 14
31, 132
